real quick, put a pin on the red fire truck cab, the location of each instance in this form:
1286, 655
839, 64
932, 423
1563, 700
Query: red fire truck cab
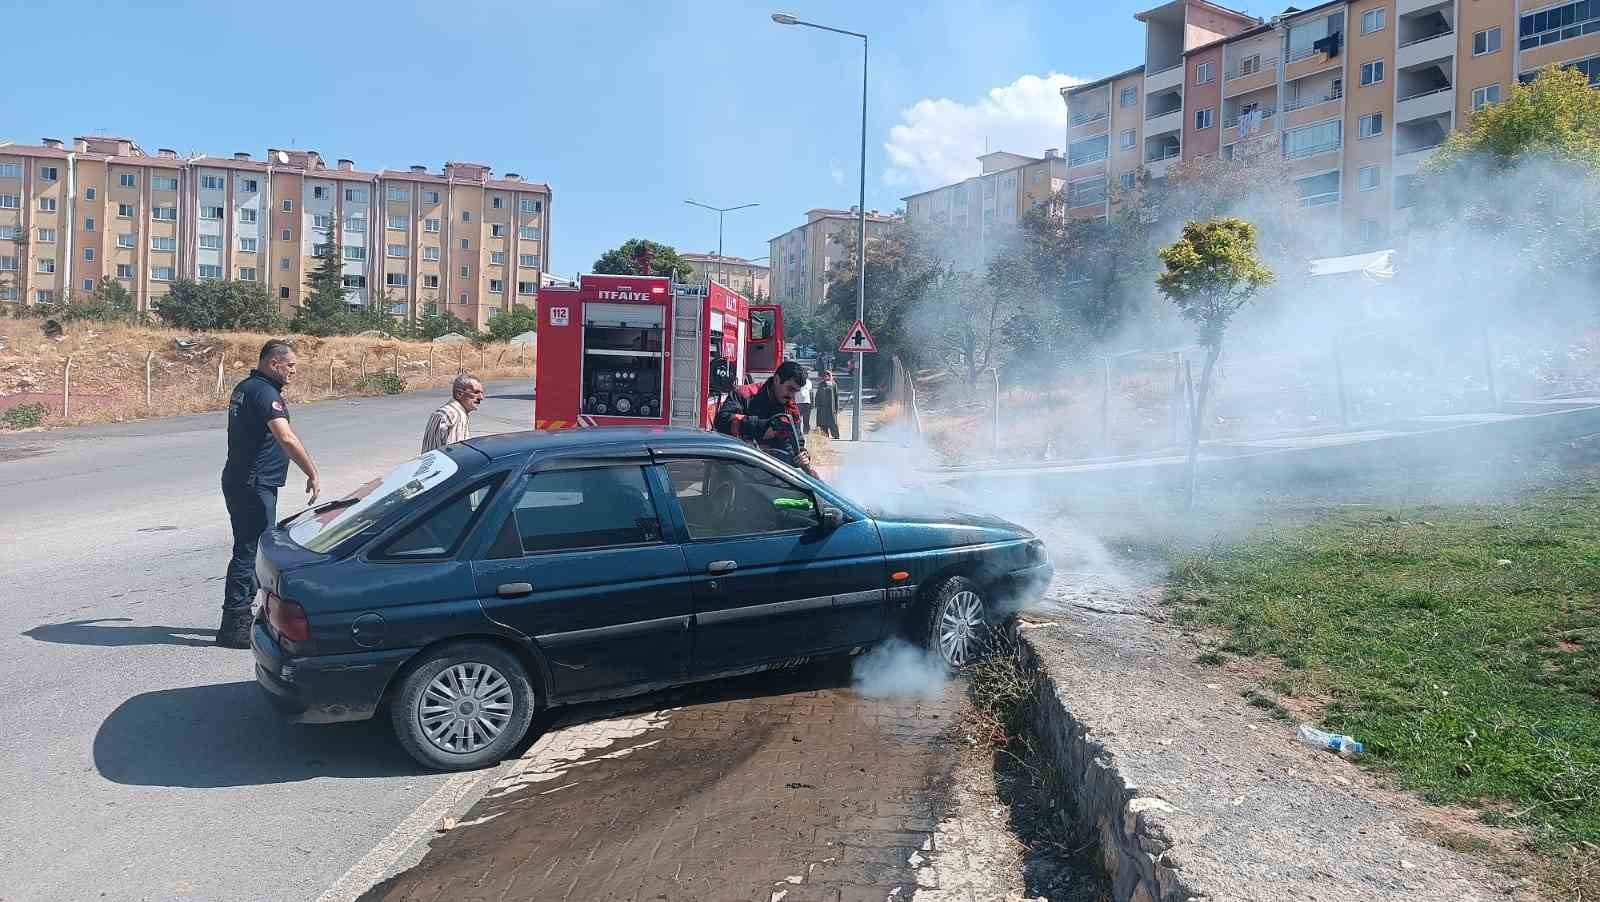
645, 351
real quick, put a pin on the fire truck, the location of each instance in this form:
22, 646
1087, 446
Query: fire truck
646, 351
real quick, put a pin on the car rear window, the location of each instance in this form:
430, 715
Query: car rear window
324, 529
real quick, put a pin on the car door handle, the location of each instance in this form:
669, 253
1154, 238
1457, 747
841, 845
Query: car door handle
722, 567
512, 590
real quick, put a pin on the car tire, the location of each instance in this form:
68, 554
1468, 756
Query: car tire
462, 706
956, 625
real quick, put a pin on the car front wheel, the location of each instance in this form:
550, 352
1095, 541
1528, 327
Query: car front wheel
958, 622
463, 706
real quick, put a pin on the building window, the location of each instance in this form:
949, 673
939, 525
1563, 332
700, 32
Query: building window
1559, 23
398, 223
163, 183
1370, 231
208, 271
430, 253
10, 202
88, 224
497, 231
283, 264
161, 273
353, 281
90, 193
124, 271
1128, 97
248, 245
1126, 180
531, 233
1372, 125
528, 205
497, 257
396, 279
1367, 178
285, 235
355, 253
1203, 74
288, 206
528, 260
1128, 140
355, 224
163, 244
210, 212
211, 242
47, 236
211, 182
88, 255
466, 244
125, 211
355, 195
9, 233
466, 272
10, 170
322, 221
497, 202
319, 192
283, 292
47, 205
497, 286
1486, 41
527, 288
1203, 119
49, 173
47, 264
430, 281
126, 239
247, 215
1482, 97
247, 273
164, 214
396, 250
466, 215
44, 295
1372, 73
431, 197
430, 225
399, 195
1250, 65
1373, 20
249, 185
463, 299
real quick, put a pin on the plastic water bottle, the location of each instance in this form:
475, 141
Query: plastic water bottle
1333, 742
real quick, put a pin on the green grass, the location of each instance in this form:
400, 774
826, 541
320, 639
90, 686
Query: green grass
1461, 643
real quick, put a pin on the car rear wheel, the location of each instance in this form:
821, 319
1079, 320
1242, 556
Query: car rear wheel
463, 706
958, 622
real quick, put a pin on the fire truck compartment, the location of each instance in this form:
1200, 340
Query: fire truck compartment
622, 359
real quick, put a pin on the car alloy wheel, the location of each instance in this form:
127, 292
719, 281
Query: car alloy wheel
961, 627
465, 708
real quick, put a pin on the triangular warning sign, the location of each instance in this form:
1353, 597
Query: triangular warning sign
858, 340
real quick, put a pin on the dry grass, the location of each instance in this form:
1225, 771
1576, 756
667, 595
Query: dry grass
109, 360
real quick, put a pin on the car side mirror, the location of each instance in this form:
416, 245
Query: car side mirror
832, 518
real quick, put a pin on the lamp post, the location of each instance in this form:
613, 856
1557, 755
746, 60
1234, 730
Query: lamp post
861, 217
721, 271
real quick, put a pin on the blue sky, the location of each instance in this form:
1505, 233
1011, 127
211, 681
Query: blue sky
625, 109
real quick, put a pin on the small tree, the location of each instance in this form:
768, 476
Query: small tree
220, 306
510, 324
1211, 272
624, 260
324, 304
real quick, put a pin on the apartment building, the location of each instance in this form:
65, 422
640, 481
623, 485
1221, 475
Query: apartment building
800, 257
744, 276
967, 216
1353, 95
412, 241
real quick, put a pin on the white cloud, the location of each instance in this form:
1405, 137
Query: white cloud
938, 139
836, 172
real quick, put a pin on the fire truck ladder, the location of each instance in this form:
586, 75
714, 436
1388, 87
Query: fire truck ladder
688, 307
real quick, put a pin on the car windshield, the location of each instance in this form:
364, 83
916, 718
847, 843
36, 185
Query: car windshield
322, 529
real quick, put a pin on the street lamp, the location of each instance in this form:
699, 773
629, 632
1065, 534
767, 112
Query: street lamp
723, 273
861, 211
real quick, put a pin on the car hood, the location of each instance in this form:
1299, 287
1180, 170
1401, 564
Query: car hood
934, 527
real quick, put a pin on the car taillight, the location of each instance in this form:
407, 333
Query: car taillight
287, 618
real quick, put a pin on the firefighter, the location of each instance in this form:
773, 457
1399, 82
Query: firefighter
766, 414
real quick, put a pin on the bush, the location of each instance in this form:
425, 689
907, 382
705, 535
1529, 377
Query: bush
384, 383
23, 416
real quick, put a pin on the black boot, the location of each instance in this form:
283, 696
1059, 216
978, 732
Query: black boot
235, 629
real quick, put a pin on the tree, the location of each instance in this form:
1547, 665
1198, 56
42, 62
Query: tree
324, 306
901, 270
434, 324
220, 306
513, 322
1211, 271
624, 260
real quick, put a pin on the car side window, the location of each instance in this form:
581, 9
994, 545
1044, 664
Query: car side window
440, 533
723, 498
603, 507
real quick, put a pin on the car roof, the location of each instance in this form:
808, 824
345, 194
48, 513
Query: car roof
607, 438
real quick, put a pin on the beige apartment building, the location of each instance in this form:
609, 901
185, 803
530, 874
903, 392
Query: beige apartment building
969, 215
749, 278
1354, 95
800, 257
459, 240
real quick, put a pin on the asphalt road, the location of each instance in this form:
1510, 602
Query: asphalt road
137, 759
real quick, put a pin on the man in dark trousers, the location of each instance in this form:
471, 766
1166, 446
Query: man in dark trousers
767, 415
826, 405
260, 446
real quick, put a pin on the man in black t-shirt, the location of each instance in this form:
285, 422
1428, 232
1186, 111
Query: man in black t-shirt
260, 446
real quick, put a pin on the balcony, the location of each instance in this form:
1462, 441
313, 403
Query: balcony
1233, 121
1320, 200
1435, 102
1436, 46
1237, 81
1163, 79
1083, 159
1088, 198
1087, 117
1311, 99
1407, 7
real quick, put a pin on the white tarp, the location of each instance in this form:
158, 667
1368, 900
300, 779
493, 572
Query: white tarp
1378, 265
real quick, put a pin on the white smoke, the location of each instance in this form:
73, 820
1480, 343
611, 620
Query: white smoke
898, 669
